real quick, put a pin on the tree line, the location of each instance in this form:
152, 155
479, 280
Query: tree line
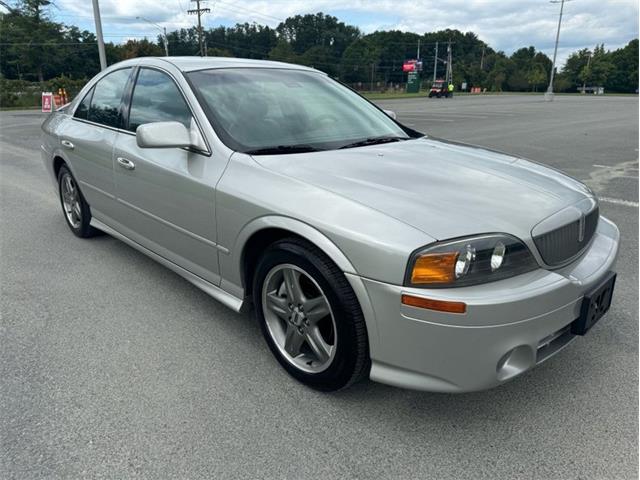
35, 48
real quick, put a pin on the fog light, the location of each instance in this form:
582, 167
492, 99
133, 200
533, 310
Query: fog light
497, 257
515, 361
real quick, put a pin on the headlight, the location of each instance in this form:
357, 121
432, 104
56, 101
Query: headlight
469, 261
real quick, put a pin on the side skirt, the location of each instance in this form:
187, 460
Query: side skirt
225, 298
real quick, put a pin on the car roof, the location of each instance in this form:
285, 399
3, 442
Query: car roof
189, 64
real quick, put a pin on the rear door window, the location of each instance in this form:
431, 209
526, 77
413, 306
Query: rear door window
83, 109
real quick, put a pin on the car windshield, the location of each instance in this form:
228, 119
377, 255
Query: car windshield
262, 111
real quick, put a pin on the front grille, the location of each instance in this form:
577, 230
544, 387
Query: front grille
562, 244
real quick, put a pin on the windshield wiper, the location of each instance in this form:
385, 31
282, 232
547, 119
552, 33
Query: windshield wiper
373, 141
282, 149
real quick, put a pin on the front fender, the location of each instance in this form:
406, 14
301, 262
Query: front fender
314, 236
292, 225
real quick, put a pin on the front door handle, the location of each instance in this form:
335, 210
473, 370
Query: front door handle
67, 144
124, 163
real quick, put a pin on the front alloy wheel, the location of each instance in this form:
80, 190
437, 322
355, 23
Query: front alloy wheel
299, 318
310, 316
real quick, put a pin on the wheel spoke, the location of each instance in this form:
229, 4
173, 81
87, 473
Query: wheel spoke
76, 210
316, 309
293, 341
278, 305
320, 348
68, 184
292, 285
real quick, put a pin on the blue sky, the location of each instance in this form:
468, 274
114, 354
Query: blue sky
503, 24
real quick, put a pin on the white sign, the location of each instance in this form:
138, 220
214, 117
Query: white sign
47, 102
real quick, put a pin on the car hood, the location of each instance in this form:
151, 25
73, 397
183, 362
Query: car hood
443, 188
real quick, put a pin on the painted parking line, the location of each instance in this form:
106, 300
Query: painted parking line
618, 201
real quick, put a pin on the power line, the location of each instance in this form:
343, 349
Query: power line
40, 44
232, 7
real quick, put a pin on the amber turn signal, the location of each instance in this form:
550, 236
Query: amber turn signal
431, 304
434, 268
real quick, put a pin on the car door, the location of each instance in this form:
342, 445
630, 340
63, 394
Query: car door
89, 138
166, 195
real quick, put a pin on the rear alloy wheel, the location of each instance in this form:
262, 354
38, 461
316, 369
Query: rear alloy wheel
309, 316
76, 210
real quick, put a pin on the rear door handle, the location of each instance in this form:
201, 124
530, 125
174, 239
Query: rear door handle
124, 163
67, 144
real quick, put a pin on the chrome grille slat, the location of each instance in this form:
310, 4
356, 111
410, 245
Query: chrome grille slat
562, 244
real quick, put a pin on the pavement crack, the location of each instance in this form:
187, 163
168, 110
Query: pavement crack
600, 178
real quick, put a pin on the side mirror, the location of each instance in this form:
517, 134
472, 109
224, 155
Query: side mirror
391, 114
163, 135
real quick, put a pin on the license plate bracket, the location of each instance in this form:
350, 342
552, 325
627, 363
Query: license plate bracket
594, 305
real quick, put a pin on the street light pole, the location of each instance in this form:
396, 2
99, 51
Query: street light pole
101, 52
548, 96
435, 64
165, 40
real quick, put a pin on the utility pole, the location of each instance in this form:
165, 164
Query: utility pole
548, 96
482, 59
418, 56
435, 64
101, 53
372, 65
449, 77
199, 11
165, 40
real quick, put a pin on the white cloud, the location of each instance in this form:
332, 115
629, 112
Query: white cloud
503, 24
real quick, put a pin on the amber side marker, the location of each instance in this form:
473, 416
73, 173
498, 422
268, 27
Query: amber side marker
431, 304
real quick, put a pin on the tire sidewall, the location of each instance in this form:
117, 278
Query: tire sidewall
84, 230
341, 368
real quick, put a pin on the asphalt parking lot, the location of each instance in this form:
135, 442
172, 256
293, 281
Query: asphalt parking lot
112, 366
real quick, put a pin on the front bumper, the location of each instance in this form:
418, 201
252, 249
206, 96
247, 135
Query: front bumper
510, 325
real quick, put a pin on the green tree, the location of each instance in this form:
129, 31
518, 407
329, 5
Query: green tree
317, 30
624, 75
358, 61
141, 48
574, 66
219, 52
600, 66
31, 41
283, 52
537, 77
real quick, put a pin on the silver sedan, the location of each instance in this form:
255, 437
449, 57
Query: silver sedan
366, 248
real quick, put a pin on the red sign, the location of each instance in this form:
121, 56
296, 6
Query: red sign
47, 102
409, 66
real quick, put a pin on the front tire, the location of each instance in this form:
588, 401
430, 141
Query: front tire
309, 316
75, 208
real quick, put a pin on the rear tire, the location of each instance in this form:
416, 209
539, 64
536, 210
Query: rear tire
74, 207
310, 316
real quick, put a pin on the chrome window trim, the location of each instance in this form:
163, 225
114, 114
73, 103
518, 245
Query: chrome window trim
136, 69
